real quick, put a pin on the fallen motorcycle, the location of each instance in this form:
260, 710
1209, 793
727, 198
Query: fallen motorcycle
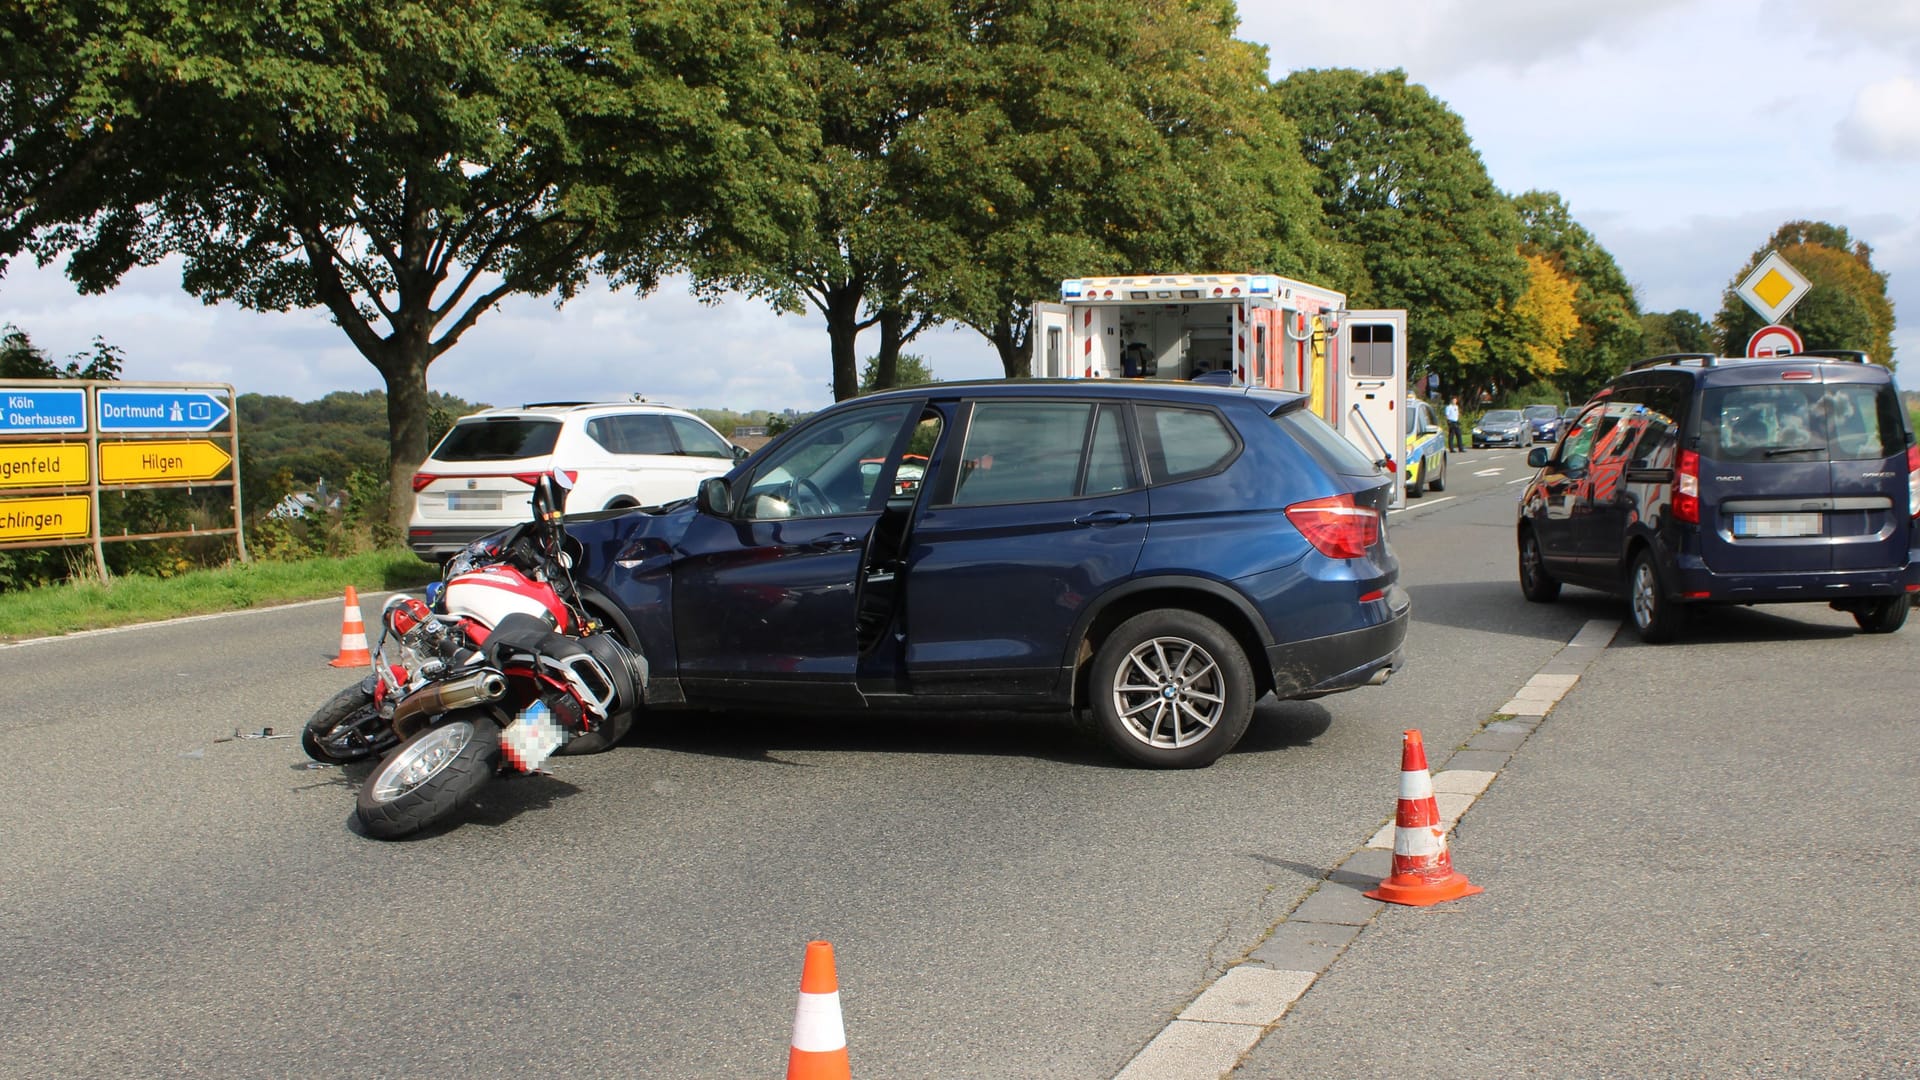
508, 670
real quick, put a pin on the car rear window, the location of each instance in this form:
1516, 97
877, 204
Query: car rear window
697, 440
1184, 443
1318, 436
498, 440
1801, 422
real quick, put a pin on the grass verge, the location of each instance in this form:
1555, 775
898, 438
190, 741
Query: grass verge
91, 605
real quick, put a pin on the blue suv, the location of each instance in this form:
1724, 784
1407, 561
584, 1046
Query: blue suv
1156, 555
1697, 479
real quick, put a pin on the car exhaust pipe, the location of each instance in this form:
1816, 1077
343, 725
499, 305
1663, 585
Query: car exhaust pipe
1379, 677
476, 689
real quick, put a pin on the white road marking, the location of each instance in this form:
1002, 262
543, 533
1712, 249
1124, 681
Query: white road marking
1423, 502
1519, 480
1491, 472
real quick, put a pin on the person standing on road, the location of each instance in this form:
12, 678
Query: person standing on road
1453, 424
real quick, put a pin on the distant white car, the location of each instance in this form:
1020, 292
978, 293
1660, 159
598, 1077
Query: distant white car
479, 479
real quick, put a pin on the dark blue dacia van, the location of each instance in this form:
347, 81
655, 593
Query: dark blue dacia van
1698, 479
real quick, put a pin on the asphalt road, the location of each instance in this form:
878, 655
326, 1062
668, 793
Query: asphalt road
1004, 899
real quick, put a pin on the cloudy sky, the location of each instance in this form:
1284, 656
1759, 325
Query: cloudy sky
1680, 133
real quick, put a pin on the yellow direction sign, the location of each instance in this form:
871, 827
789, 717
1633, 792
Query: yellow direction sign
25, 465
135, 462
50, 518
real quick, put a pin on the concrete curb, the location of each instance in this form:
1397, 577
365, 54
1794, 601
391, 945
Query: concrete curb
1213, 1035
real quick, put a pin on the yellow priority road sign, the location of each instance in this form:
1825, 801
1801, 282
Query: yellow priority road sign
25, 465
186, 459
47, 518
1773, 287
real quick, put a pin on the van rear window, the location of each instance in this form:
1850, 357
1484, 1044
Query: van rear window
498, 440
1801, 422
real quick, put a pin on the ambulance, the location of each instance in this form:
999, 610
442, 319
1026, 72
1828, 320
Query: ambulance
1252, 329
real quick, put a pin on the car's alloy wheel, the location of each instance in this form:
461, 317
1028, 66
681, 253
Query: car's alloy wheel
1169, 693
1171, 689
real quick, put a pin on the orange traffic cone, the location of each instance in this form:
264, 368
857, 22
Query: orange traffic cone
353, 636
1423, 873
819, 1040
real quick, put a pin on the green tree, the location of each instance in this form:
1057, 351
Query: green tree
1678, 331
1609, 335
1114, 139
1847, 307
406, 166
20, 358
868, 70
1399, 180
975, 152
909, 370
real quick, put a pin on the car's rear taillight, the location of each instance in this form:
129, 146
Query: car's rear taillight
1686, 488
532, 479
1337, 527
421, 480
1913, 480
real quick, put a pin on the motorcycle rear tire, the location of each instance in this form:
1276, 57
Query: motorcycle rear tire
456, 757
605, 738
352, 706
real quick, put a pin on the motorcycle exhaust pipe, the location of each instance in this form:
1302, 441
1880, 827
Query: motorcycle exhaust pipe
476, 689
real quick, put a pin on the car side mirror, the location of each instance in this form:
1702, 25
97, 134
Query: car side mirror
1537, 457
740, 453
714, 497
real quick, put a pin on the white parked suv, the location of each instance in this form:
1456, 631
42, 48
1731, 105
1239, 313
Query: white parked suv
479, 479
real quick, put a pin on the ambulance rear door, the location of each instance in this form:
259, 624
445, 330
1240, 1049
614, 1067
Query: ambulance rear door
1050, 342
1373, 378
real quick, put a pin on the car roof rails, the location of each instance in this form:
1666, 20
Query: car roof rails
1706, 359
557, 404
1858, 356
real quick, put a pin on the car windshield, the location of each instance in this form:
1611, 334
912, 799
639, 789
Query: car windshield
503, 439
1542, 412
1502, 416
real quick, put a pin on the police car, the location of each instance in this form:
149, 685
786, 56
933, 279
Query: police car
1426, 450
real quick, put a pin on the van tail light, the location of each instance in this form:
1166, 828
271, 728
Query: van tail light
1913, 480
421, 480
1686, 488
1337, 527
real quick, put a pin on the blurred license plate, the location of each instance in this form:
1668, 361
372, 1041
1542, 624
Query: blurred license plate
473, 500
1758, 525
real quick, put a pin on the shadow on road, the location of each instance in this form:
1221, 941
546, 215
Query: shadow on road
1496, 607
1722, 625
763, 736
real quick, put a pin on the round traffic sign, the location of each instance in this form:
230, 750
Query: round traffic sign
1774, 340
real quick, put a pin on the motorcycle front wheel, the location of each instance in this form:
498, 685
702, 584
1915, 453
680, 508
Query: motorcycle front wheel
347, 728
431, 775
